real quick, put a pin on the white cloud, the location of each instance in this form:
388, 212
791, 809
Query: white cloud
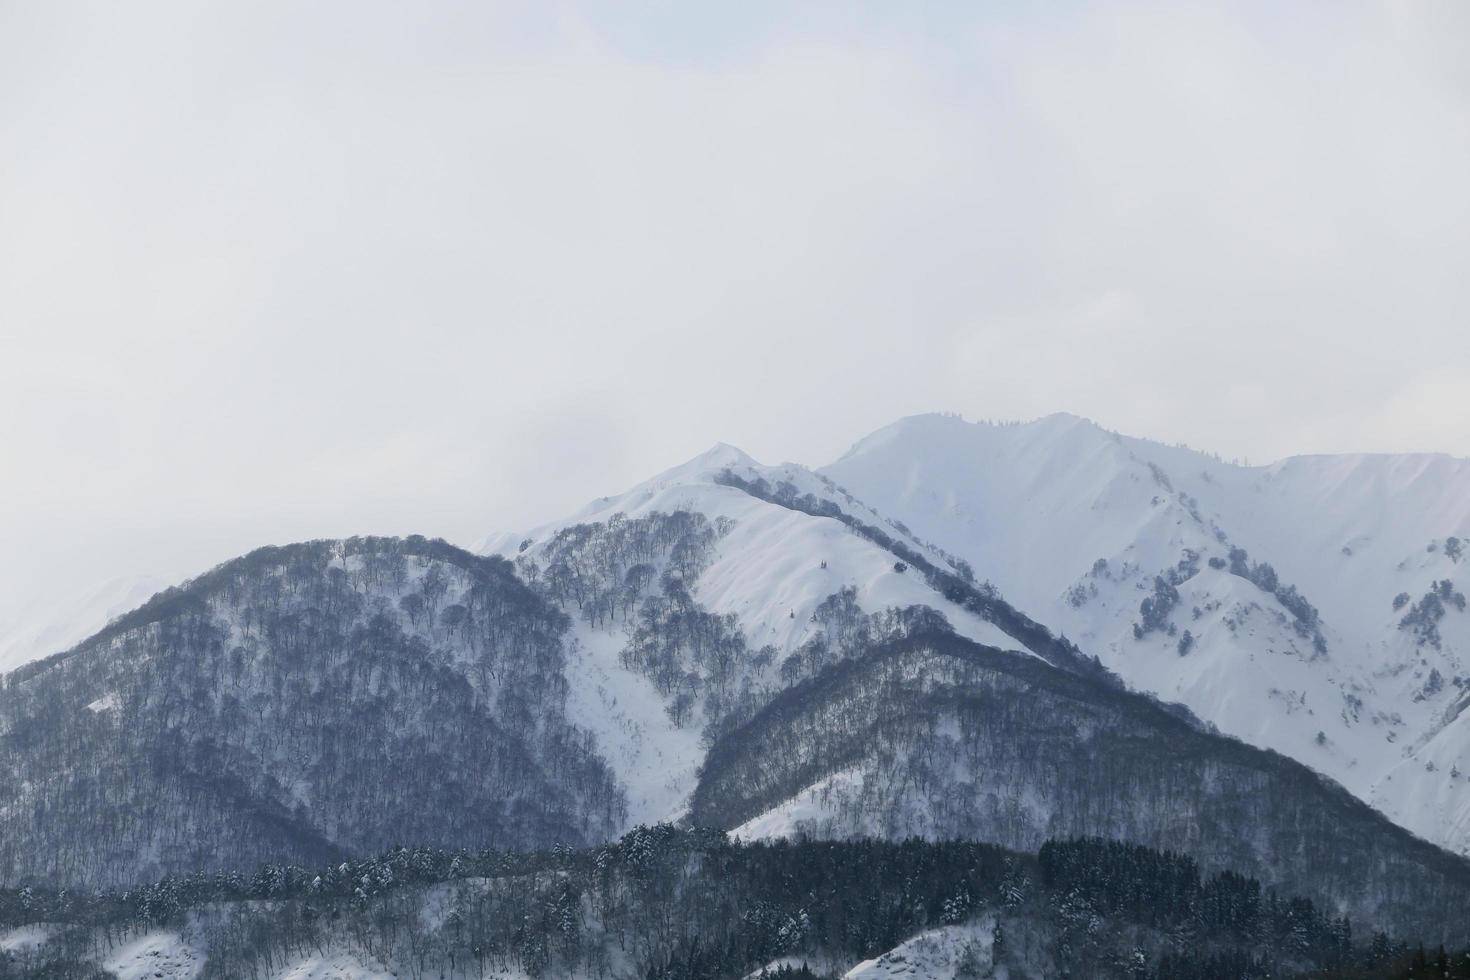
268, 272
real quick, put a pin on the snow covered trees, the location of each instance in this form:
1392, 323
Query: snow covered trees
931, 734
303, 702
682, 904
1155, 609
604, 570
1307, 622
1424, 616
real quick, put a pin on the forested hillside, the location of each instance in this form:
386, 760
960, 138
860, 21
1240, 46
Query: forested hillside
300, 703
729, 646
932, 734
666, 904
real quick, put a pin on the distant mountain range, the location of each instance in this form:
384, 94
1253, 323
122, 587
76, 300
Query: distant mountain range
1008, 633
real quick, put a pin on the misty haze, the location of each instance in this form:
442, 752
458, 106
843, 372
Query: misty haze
733, 491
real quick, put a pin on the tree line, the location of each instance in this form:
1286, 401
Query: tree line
667, 903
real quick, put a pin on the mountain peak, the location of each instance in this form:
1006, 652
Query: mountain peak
722, 454
701, 468
947, 432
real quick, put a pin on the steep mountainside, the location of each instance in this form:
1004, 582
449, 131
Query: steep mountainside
1315, 606
746, 550
754, 647
933, 735
693, 602
559, 698
299, 703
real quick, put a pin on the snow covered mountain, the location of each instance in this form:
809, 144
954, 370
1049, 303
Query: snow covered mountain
935, 635
771, 574
1314, 606
798, 569
299, 703
1309, 607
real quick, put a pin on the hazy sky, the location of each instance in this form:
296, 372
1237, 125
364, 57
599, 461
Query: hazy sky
277, 271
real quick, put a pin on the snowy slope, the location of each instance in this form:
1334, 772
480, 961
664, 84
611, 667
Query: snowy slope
1074, 524
22, 939
958, 950
771, 570
156, 955
656, 760
43, 628
768, 569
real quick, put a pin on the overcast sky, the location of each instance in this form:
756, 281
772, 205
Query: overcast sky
278, 271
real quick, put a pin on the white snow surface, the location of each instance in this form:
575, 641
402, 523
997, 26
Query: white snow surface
933, 955
164, 955
23, 939
767, 570
656, 761
1034, 505
107, 702
937, 954
807, 811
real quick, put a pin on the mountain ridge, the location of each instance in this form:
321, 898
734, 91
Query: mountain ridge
667, 618
1361, 537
